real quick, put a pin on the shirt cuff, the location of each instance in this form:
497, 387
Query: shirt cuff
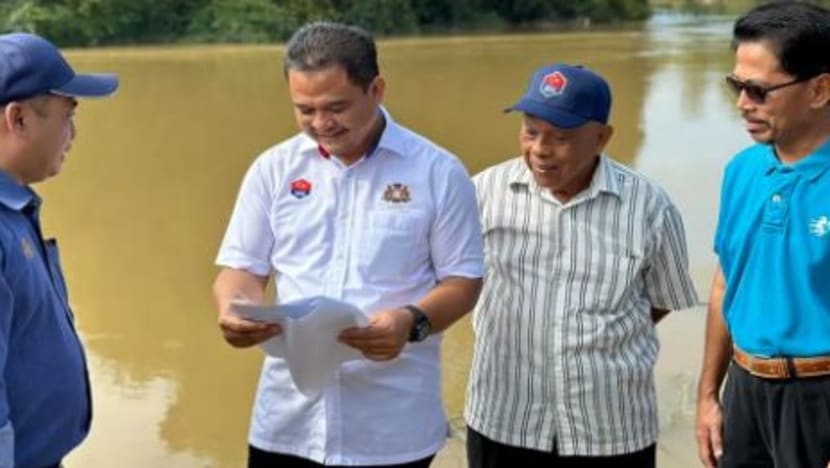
236, 262
7, 446
472, 269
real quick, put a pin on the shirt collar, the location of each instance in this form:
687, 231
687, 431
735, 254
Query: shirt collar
813, 166
603, 179
522, 175
15, 196
392, 139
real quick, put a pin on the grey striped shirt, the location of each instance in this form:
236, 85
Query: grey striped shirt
565, 344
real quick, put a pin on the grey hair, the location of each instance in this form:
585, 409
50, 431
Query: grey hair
323, 44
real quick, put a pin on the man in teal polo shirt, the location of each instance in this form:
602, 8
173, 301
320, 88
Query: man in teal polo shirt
44, 389
769, 310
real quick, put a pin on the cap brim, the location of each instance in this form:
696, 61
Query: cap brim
89, 86
555, 117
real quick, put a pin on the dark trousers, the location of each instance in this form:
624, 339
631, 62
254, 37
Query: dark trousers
486, 453
261, 459
775, 423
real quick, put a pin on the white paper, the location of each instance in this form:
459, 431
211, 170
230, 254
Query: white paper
308, 341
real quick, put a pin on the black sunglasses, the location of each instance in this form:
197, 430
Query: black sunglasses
755, 92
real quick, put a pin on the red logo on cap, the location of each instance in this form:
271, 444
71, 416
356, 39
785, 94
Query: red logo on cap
300, 188
553, 84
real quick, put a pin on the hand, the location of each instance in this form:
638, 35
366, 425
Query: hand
709, 432
385, 336
243, 333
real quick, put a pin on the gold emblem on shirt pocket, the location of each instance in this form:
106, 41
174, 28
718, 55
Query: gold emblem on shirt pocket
397, 193
27, 247
395, 244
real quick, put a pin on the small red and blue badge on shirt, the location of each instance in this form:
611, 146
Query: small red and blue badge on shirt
553, 84
300, 188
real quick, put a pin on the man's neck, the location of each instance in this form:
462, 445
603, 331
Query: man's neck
580, 184
804, 144
372, 139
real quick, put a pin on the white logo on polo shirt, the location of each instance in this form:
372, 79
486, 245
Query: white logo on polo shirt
820, 226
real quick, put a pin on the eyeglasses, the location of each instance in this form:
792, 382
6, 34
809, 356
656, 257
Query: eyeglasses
755, 92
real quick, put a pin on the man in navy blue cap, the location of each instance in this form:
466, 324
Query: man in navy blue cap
584, 256
45, 399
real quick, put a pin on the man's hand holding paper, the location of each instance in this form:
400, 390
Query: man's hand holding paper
242, 333
384, 338
309, 342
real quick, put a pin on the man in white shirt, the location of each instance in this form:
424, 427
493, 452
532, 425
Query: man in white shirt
584, 256
360, 209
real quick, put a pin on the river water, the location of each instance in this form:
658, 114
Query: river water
147, 189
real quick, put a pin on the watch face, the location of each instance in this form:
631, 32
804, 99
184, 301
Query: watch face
421, 330
421, 326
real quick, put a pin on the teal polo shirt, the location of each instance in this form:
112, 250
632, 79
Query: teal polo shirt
773, 241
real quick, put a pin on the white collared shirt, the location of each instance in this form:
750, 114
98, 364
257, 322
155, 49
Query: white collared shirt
565, 343
378, 234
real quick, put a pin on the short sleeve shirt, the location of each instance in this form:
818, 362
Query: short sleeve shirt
380, 234
565, 342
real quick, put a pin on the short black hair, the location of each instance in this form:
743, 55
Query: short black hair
797, 32
322, 44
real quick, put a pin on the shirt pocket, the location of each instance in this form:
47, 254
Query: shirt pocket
394, 247
616, 277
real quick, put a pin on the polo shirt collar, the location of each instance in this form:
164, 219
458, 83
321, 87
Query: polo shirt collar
813, 166
392, 139
13, 195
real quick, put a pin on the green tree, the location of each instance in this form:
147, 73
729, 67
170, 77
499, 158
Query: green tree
522, 11
610, 10
381, 16
444, 13
93, 22
53, 21
255, 20
98, 22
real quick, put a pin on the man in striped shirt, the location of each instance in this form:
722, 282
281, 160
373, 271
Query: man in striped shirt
583, 257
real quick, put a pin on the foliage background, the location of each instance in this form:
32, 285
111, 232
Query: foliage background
102, 22
105, 22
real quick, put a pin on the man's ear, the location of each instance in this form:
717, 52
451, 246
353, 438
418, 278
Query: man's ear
377, 89
605, 134
13, 121
821, 91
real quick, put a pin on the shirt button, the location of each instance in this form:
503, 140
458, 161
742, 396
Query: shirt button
776, 198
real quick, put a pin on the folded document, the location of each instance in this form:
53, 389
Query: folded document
308, 341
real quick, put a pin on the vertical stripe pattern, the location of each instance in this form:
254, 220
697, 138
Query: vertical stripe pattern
565, 345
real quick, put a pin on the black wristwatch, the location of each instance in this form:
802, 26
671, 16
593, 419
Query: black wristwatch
421, 325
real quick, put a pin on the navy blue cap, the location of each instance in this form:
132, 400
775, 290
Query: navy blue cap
566, 96
31, 65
